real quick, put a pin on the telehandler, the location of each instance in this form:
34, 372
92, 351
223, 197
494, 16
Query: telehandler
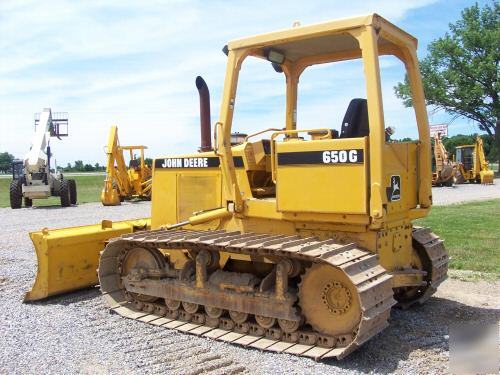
472, 165
444, 170
36, 176
284, 243
122, 182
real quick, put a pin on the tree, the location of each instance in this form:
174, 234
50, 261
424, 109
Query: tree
88, 168
79, 165
460, 73
5, 162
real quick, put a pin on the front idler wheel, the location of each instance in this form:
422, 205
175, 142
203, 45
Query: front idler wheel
140, 261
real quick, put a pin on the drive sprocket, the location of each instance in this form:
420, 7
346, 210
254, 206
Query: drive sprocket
329, 300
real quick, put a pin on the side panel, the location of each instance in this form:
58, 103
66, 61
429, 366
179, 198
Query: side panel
163, 198
327, 176
184, 185
197, 191
401, 177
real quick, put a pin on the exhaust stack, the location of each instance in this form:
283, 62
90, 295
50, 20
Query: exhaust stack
206, 140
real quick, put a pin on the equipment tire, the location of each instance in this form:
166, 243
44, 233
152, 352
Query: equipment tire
28, 202
16, 194
65, 194
72, 191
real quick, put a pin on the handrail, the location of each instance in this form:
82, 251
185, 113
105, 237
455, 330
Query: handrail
261, 132
218, 125
296, 131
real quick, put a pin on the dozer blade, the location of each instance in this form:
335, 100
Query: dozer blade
68, 257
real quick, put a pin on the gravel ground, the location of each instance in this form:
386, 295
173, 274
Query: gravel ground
76, 333
465, 193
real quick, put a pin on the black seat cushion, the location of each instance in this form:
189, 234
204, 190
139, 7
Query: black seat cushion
267, 146
355, 123
134, 163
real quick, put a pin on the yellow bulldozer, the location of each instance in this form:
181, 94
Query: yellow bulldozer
125, 182
288, 242
472, 164
444, 171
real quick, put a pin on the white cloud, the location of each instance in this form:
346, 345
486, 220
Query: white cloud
133, 64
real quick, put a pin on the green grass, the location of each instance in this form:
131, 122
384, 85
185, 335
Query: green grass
471, 232
88, 190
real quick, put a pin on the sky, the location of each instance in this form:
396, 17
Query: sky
134, 63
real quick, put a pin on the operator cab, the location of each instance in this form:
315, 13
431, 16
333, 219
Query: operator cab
464, 155
354, 169
134, 163
17, 169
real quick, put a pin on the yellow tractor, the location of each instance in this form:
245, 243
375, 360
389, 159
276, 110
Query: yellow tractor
444, 171
299, 242
122, 182
472, 165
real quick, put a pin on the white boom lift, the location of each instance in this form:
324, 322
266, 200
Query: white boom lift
33, 177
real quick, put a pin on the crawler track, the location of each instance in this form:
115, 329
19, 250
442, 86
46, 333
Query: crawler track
435, 258
372, 283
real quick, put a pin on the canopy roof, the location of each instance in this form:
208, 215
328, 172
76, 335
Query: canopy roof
324, 38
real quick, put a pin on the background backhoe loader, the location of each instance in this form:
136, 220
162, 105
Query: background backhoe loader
444, 170
125, 182
311, 267
472, 165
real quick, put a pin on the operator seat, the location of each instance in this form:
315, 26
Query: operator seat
355, 123
134, 163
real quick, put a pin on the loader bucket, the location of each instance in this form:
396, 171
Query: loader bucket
109, 194
68, 258
486, 177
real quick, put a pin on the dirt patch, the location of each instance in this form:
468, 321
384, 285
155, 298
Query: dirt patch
481, 293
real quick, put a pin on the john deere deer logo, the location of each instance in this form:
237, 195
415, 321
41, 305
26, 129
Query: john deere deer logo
395, 188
